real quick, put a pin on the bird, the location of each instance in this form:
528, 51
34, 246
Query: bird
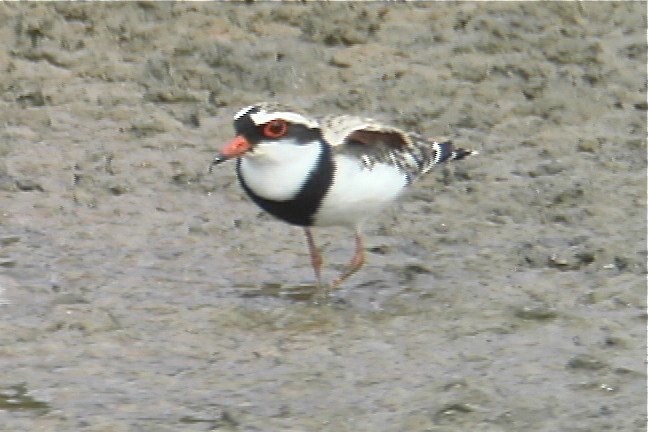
335, 170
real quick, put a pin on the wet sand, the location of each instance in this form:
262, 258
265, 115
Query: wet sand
504, 293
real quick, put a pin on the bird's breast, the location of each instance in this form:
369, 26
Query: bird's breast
290, 188
278, 172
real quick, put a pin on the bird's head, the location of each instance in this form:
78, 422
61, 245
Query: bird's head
265, 128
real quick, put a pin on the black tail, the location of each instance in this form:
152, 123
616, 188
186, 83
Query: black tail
462, 153
447, 152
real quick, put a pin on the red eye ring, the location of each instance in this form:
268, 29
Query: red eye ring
275, 128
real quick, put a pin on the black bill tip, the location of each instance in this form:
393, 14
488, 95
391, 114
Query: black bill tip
219, 159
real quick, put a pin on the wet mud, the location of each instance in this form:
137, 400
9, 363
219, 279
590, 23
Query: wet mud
503, 293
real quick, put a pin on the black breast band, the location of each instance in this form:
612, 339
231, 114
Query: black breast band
301, 209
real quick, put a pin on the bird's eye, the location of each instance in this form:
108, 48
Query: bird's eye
275, 128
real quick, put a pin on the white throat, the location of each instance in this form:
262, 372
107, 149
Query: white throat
277, 170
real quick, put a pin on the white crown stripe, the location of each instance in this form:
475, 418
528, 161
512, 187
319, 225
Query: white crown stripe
264, 117
243, 111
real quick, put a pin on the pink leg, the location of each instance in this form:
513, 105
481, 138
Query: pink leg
315, 256
356, 262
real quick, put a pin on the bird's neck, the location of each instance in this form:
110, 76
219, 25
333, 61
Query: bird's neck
278, 171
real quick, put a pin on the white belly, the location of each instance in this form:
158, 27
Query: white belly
358, 193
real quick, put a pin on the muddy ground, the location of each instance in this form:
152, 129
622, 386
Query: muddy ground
504, 293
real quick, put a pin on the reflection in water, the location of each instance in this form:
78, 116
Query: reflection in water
17, 398
297, 293
301, 293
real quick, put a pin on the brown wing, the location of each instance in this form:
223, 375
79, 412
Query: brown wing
371, 143
345, 130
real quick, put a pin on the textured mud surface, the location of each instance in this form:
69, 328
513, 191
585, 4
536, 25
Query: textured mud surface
504, 293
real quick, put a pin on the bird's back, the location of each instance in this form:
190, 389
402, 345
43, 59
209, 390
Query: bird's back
373, 143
